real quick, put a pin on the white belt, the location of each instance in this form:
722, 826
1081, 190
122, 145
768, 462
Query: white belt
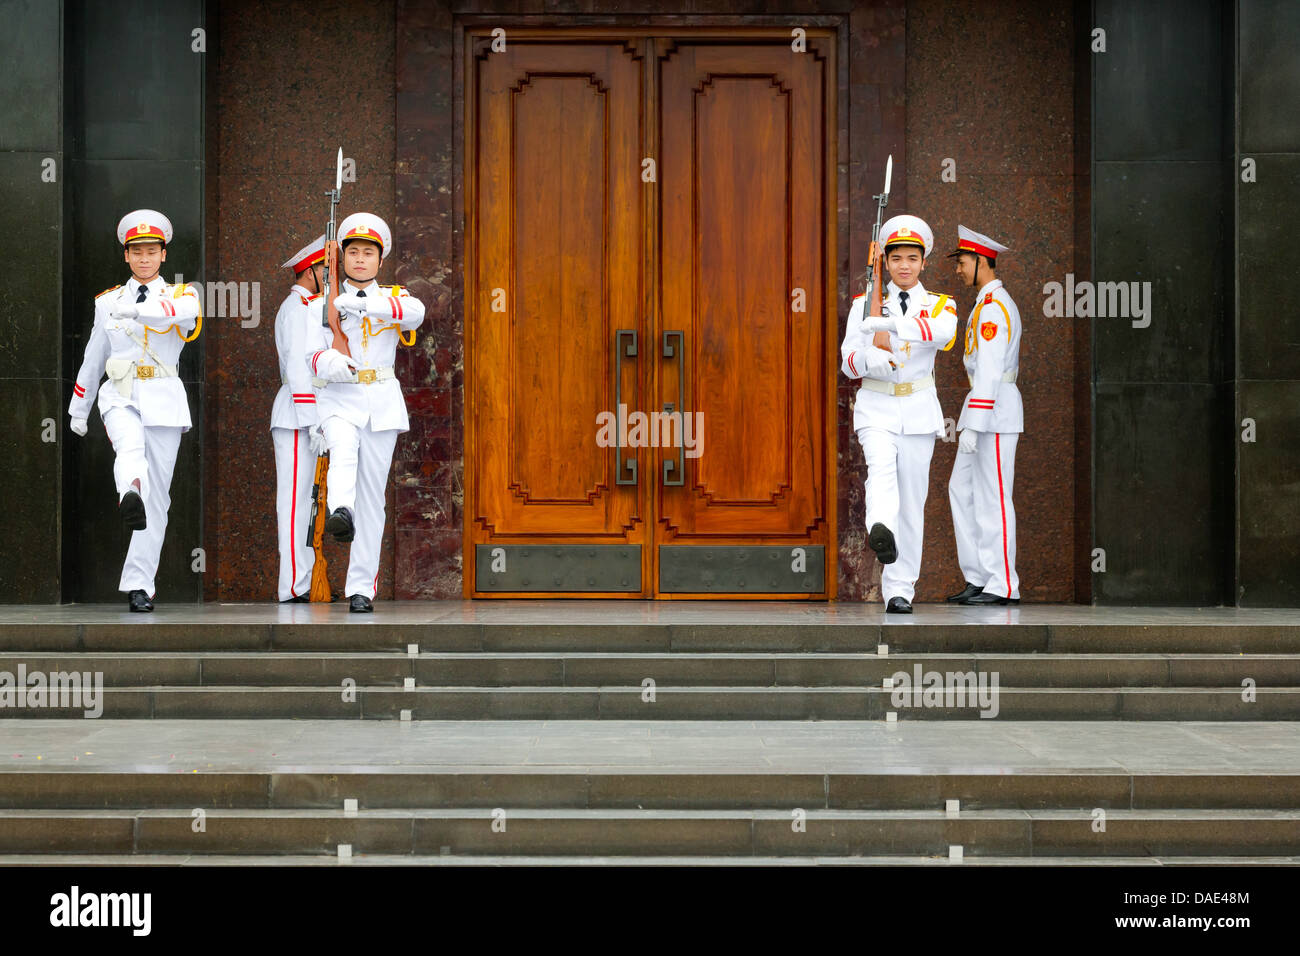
1008, 377
121, 371
900, 388
365, 376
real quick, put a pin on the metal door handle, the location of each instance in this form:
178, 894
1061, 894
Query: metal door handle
677, 468
619, 352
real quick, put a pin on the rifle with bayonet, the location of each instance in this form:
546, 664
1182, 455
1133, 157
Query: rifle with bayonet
340, 342
876, 260
320, 583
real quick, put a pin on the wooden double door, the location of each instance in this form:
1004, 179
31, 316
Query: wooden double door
649, 315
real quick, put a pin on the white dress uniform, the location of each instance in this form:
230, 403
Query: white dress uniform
143, 405
362, 417
979, 491
292, 416
896, 411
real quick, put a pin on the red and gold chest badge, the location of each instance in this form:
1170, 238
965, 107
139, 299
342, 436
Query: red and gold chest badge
988, 330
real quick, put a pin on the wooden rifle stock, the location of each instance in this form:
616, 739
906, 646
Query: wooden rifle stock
320, 582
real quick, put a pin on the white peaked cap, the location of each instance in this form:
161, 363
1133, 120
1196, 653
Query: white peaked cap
144, 225
307, 256
968, 240
901, 230
366, 225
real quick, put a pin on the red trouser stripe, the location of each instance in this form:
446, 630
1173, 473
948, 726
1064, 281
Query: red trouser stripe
293, 521
1006, 562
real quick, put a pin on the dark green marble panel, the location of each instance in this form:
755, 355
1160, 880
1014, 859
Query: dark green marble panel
1268, 495
1162, 485
29, 82
29, 484
29, 217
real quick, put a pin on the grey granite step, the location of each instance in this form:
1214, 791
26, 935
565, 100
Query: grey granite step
766, 833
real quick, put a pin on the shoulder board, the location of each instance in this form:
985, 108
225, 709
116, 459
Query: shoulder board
860, 295
180, 290
397, 289
313, 298
305, 300
938, 295
107, 291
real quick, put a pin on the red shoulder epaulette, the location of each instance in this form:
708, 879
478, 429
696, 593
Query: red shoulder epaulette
107, 291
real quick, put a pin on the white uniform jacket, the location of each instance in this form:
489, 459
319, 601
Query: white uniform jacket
372, 340
295, 403
928, 327
992, 360
120, 345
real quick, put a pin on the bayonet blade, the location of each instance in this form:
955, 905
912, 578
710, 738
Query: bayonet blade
338, 172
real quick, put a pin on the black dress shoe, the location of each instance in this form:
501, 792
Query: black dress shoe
898, 605
131, 509
139, 601
881, 540
968, 591
359, 603
340, 524
984, 599
297, 599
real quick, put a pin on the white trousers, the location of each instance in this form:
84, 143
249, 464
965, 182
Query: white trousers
147, 454
983, 515
295, 473
358, 479
898, 480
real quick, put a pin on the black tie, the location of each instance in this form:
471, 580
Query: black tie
144, 291
361, 293
902, 301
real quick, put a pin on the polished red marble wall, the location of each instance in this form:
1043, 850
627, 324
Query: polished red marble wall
293, 82
990, 85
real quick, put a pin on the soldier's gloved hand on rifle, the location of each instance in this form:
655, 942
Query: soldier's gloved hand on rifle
966, 442
317, 441
879, 362
334, 366
79, 427
351, 303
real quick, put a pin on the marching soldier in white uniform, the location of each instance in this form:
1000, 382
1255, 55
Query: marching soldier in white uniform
896, 411
992, 419
293, 416
359, 400
138, 333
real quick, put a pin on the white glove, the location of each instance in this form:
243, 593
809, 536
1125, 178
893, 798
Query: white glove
351, 303
126, 310
879, 362
317, 441
79, 426
878, 323
334, 366
150, 309
966, 442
